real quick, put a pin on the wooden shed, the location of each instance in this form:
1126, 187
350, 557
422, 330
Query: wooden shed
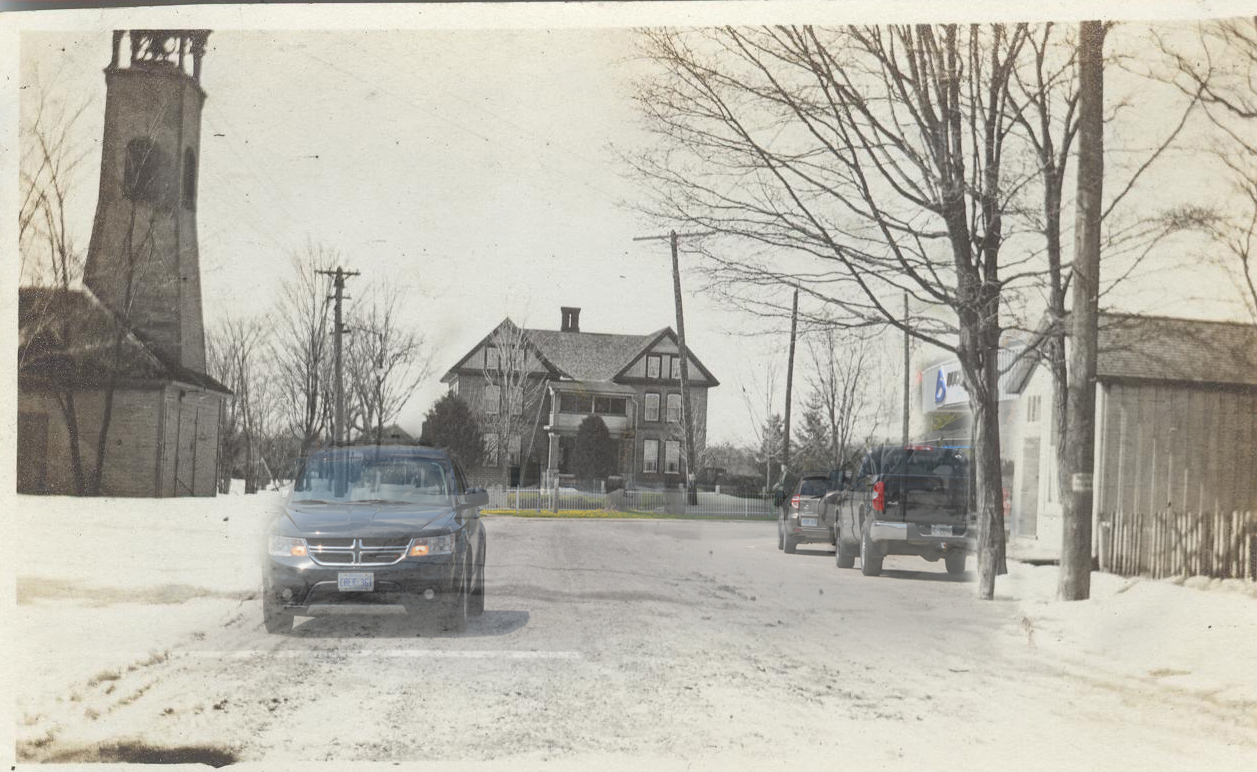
86, 379
1176, 426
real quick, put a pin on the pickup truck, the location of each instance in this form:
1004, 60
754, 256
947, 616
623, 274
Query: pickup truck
905, 500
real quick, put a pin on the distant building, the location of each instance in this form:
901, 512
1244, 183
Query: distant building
128, 349
632, 382
1176, 426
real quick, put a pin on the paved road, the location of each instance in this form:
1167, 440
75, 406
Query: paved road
633, 641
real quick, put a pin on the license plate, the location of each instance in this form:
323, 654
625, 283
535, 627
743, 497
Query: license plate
809, 522
355, 582
941, 530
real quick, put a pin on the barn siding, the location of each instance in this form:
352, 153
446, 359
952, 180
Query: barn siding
1188, 448
131, 448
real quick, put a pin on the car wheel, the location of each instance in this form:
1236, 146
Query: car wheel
870, 560
274, 618
456, 620
781, 535
789, 544
955, 563
477, 596
842, 556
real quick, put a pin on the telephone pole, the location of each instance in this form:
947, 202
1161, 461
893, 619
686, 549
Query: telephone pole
686, 419
907, 360
1075, 574
338, 417
794, 333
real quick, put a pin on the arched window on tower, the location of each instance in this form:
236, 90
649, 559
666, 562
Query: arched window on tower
189, 179
141, 180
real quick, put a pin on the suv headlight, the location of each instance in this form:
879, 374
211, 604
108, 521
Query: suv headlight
431, 545
286, 546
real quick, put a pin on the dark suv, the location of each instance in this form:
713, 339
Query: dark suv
372, 529
802, 518
910, 500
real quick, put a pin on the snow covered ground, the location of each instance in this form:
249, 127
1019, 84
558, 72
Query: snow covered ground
103, 585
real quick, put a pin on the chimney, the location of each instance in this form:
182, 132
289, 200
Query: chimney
571, 319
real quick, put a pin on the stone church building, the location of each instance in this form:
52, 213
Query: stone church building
113, 395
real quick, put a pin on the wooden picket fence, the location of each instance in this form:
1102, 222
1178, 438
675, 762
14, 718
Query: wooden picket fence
1217, 544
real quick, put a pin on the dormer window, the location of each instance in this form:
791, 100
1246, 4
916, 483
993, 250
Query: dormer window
652, 366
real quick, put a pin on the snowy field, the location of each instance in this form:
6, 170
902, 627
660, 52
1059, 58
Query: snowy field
107, 582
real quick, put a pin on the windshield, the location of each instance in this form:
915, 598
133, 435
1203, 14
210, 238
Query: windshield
916, 462
814, 486
367, 477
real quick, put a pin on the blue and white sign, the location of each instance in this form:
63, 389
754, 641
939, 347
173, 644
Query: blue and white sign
940, 389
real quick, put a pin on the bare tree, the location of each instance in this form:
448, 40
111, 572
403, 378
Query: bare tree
1220, 70
841, 403
233, 352
386, 362
872, 162
511, 403
62, 325
301, 346
767, 427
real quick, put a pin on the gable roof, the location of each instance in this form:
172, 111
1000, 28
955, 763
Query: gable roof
1163, 348
66, 337
653, 339
584, 356
1168, 349
587, 356
506, 324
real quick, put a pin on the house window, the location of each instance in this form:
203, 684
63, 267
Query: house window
676, 368
513, 448
189, 179
611, 405
491, 358
652, 406
517, 400
143, 170
579, 404
491, 449
652, 366
674, 408
672, 458
492, 399
650, 456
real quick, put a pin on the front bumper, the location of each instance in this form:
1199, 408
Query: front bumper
304, 587
922, 535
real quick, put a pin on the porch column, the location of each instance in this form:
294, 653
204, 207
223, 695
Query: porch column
552, 462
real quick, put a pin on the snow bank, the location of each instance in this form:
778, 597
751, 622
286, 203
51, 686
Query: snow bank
1196, 635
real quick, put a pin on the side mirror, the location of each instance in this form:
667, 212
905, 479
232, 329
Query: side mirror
476, 497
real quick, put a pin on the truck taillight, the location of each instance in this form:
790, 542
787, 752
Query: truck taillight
794, 501
879, 496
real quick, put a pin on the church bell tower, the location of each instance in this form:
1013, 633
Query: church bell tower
142, 261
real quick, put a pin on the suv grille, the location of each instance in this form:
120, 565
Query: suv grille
357, 552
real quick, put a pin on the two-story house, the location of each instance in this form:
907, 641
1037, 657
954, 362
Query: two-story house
531, 389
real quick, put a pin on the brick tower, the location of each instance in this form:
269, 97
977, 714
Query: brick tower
142, 261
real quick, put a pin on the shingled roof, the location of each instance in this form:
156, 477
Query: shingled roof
588, 356
1167, 349
67, 337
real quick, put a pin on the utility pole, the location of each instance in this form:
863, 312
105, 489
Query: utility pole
338, 417
687, 422
907, 384
1075, 576
794, 333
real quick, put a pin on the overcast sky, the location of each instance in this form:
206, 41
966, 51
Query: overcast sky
479, 171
